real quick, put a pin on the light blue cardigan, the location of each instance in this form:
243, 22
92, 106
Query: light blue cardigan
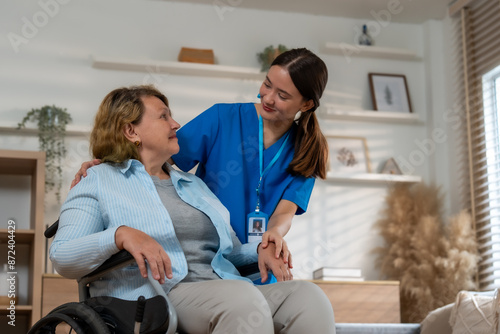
112, 196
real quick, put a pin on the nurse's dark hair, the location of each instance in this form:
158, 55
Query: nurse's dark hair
120, 107
309, 75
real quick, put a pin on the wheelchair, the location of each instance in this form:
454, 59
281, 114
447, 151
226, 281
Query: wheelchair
109, 315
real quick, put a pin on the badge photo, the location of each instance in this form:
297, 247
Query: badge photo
256, 226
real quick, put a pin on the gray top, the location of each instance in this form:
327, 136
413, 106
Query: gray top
195, 232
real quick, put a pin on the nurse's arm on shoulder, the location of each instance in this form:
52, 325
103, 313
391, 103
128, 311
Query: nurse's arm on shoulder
278, 226
83, 171
87, 164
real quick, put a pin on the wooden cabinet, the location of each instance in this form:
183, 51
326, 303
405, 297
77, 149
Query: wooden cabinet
22, 187
57, 290
363, 302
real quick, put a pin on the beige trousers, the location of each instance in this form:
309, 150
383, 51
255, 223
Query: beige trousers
238, 307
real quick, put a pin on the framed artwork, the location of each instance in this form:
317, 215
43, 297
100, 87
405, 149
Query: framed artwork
389, 92
348, 155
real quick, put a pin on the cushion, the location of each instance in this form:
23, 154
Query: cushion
475, 313
437, 321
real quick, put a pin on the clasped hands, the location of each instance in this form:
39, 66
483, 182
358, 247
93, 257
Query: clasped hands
274, 256
144, 248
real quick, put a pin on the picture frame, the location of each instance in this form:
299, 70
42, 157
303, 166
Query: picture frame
348, 155
389, 92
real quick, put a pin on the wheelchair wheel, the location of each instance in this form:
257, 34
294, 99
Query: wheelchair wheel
71, 318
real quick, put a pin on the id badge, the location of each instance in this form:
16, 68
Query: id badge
256, 225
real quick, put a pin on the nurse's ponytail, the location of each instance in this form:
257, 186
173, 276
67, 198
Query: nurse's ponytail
309, 75
311, 148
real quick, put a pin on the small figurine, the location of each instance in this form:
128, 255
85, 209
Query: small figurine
365, 38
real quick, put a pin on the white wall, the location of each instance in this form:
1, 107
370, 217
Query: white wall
52, 65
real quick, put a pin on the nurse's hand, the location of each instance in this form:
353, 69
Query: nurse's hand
83, 171
271, 236
267, 262
144, 248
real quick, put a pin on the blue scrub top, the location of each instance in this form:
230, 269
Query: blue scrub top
224, 141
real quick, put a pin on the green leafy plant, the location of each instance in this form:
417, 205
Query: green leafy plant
267, 56
51, 122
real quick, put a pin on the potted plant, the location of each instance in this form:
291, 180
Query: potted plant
433, 259
267, 56
51, 122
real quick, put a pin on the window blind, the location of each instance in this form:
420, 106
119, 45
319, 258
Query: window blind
476, 61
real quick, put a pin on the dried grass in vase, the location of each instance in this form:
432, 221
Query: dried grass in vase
433, 262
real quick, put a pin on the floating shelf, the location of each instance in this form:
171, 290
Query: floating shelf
373, 178
369, 115
180, 68
370, 51
21, 309
70, 130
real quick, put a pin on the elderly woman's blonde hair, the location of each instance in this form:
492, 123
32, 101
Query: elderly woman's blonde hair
120, 107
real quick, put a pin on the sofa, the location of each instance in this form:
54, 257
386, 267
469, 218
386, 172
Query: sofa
472, 313
344, 328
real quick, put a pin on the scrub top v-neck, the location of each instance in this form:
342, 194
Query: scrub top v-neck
224, 141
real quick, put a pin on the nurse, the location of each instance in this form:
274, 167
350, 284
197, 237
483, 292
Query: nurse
261, 159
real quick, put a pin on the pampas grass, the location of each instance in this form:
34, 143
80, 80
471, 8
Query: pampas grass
433, 262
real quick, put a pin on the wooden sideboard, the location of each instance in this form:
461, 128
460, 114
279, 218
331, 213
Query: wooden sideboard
363, 302
57, 290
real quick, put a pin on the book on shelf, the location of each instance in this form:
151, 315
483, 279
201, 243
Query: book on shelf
336, 272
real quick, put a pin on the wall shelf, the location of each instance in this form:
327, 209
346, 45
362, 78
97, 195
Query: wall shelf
21, 236
179, 68
373, 178
22, 309
70, 130
370, 51
330, 112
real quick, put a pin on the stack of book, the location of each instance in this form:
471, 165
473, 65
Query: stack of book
338, 274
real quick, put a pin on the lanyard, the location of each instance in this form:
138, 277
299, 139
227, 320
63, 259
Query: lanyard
261, 157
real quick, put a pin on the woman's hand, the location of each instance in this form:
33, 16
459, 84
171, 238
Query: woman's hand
267, 262
83, 171
143, 247
281, 248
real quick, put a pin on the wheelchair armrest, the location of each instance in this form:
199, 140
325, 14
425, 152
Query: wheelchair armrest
248, 269
118, 260
51, 230
123, 257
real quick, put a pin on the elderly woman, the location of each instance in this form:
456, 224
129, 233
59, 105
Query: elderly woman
136, 201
